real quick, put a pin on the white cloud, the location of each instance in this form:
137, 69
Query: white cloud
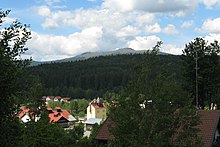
171, 49
212, 37
128, 31
210, 26
8, 20
115, 29
143, 43
50, 2
50, 24
151, 6
121, 5
211, 3
112, 22
152, 29
43, 11
41, 46
187, 24
145, 18
170, 29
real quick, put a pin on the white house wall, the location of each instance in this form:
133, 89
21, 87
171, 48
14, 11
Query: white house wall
90, 114
25, 118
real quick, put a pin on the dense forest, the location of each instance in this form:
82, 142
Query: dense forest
95, 76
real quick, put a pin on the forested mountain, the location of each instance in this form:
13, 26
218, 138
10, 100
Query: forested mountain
94, 76
87, 55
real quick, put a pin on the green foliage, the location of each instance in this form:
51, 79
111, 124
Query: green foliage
81, 114
82, 105
53, 104
95, 76
12, 44
76, 107
167, 117
42, 133
208, 70
30, 92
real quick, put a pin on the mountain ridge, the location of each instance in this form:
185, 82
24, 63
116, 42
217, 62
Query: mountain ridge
88, 55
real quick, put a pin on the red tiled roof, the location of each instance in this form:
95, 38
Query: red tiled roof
58, 97
66, 99
51, 97
96, 106
20, 115
66, 114
24, 109
49, 109
103, 133
57, 107
44, 97
209, 122
56, 116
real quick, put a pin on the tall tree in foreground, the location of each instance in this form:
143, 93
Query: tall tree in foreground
202, 68
154, 110
12, 45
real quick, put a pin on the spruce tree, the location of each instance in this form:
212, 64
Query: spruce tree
154, 110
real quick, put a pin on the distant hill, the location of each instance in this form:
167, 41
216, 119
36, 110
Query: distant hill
87, 55
96, 75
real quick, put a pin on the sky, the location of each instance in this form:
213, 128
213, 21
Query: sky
66, 28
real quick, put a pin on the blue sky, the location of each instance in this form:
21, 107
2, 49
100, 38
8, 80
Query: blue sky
66, 28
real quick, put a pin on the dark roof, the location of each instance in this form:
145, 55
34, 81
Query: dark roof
103, 132
209, 122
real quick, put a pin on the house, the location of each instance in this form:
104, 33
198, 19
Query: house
46, 99
89, 125
103, 134
24, 115
62, 117
96, 109
81, 120
209, 128
90, 122
66, 99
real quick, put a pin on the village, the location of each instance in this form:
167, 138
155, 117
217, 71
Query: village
96, 113
108, 73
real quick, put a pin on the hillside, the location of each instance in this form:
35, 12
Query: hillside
94, 76
88, 55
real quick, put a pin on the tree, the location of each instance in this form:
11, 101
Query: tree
12, 45
154, 110
202, 82
82, 105
42, 133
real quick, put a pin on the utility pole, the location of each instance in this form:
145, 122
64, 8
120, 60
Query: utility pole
197, 98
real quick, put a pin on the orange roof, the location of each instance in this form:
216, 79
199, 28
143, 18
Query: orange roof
54, 117
66, 114
96, 106
24, 109
49, 109
57, 107
58, 97
20, 115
